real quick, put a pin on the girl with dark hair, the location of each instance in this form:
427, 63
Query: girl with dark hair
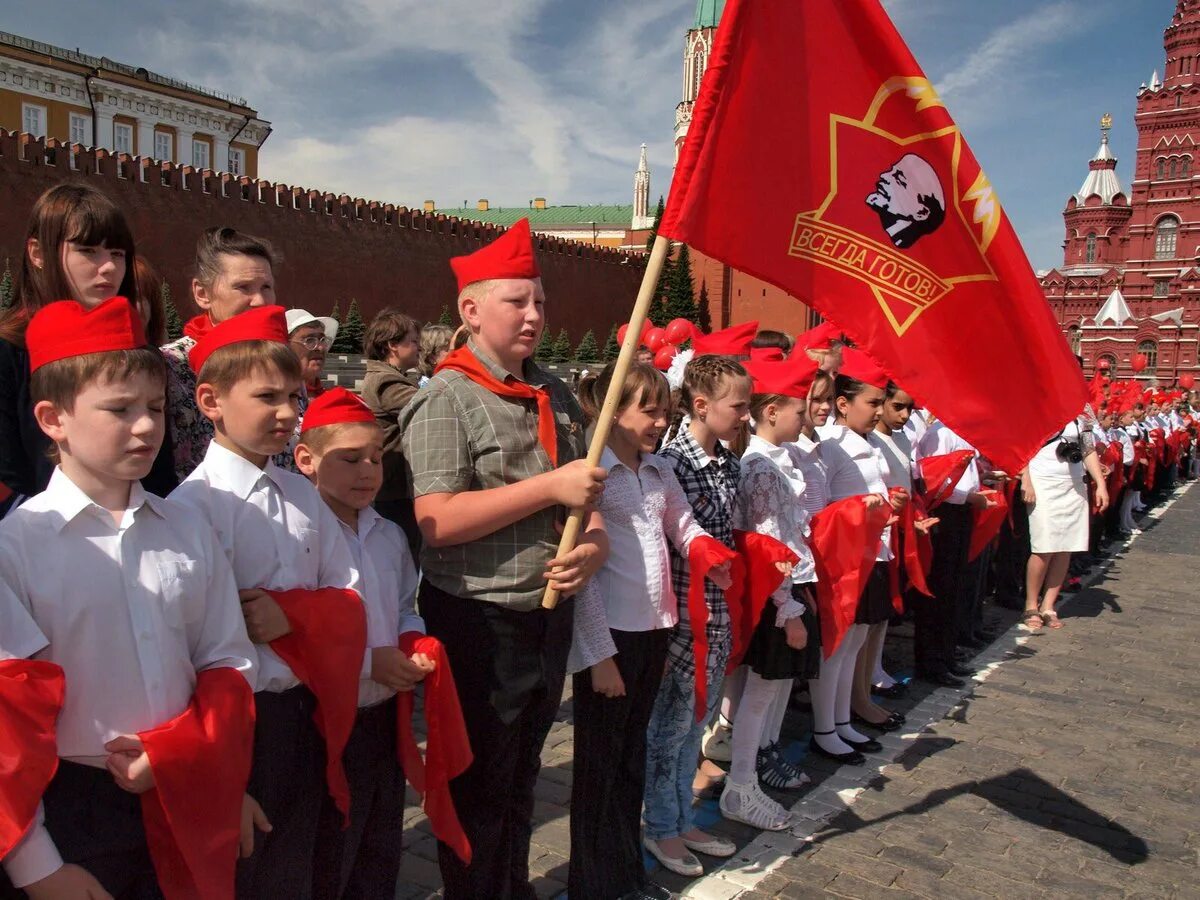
78, 246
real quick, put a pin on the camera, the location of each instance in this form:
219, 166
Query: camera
1069, 452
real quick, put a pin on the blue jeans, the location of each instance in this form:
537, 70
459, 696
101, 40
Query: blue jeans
673, 750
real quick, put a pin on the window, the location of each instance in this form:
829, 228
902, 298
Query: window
699, 61
1173, 164
1185, 167
122, 137
1166, 232
163, 149
200, 155
237, 162
1091, 247
33, 119
1178, 100
1162, 169
81, 129
1074, 338
1162, 287
1149, 349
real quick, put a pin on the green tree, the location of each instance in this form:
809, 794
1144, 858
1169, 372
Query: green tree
445, 318
703, 313
336, 312
658, 214
680, 290
350, 334
174, 320
6, 287
612, 347
588, 351
545, 347
560, 351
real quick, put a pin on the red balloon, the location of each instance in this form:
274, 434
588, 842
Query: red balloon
1187, 381
679, 330
621, 332
647, 326
655, 338
1138, 362
662, 359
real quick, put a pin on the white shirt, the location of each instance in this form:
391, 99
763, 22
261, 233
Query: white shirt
1121, 435
389, 591
816, 475
855, 467
1045, 463
276, 531
939, 440
130, 611
632, 591
771, 501
897, 452
917, 425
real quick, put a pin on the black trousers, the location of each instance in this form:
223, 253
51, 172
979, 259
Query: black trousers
98, 826
609, 773
509, 667
935, 619
363, 860
287, 778
1012, 556
970, 619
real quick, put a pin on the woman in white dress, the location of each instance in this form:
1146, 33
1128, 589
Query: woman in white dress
1052, 487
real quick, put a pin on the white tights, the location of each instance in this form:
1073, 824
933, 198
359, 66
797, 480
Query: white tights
755, 711
878, 675
830, 694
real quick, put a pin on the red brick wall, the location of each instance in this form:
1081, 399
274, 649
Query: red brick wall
334, 248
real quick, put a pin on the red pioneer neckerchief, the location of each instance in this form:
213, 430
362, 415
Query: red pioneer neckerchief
942, 473
465, 361
201, 764
447, 747
325, 649
31, 697
755, 577
845, 542
985, 523
910, 548
198, 326
704, 554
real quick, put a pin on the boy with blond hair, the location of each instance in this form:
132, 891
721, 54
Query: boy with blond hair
496, 445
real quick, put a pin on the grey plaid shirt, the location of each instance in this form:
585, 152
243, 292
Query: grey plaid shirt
459, 436
711, 486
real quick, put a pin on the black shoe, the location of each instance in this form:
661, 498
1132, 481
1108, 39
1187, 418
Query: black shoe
972, 643
891, 723
867, 746
649, 892
896, 691
986, 635
960, 670
941, 677
853, 758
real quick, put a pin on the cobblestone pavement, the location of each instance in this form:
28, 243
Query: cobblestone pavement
1069, 768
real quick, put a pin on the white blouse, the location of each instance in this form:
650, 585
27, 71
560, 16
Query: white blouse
856, 467
897, 452
771, 501
940, 440
816, 474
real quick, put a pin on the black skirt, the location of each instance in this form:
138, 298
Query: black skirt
875, 604
769, 655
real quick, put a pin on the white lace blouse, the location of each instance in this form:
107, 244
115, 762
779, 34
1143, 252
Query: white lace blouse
771, 501
632, 591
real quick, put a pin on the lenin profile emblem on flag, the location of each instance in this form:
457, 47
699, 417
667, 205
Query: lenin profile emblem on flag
907, 212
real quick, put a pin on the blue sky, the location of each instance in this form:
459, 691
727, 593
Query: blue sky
454, 100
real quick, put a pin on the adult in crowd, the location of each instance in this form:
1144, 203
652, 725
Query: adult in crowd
234, 272
310, 338
1053, 489
78, 246
393, 345
435, 344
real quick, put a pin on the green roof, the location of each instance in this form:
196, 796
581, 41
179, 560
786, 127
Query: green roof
598, 214
708, 13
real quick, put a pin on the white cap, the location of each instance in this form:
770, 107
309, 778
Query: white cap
297, 318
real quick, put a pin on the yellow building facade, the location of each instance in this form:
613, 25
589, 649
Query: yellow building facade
49, 91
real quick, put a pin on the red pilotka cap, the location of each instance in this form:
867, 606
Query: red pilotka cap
508, 256
732, 341
65, 328
789, 378
819, 338
860, 367
263, 323
337, 406
766, 354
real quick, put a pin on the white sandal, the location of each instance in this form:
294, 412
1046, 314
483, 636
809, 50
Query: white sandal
748, 804
687, 865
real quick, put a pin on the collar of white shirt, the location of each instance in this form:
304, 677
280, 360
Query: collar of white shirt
238, 472
609, 461
65, 497
777, 454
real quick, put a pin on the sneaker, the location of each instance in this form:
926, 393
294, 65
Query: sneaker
718, 742
746, 803
777, 772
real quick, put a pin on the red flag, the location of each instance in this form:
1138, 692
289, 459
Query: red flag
868, 205
844, 542
448, 752
325, 649
201, 763
31, 696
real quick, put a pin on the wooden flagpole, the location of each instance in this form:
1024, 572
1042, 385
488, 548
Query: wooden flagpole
633, 337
